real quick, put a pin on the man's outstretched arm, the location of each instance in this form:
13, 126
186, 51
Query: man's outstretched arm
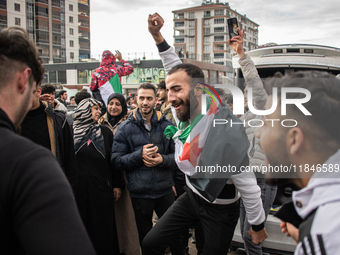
249, 71
166, 52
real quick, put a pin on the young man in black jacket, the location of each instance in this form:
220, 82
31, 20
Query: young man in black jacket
50, 129
38, 214
141, 149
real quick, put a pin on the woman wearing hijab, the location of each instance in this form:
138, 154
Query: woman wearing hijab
125, 217
97, 182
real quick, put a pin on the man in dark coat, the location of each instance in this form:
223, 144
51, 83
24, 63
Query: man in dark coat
38, 214
141, 149
50, 129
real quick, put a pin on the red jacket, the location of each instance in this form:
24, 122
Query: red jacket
108, 69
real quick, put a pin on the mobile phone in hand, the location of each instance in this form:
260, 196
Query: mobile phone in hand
232, 27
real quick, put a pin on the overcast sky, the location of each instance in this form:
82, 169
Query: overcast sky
122, 24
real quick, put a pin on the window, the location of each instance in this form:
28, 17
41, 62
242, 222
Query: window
179, 16
17, 21
191, 23
55, 14
71, 19
206, 48
3, 5
42, 24
219, 38
219, 47
62, 41
206, 39
207, 22
30, 23
56, 27
218, 29
206, 13
219, 21
206, 56
179, 40
53, 76
207, 30
219, 12
41, 11
71, 43
191, 15
191, 49
70, 7
218, 55
82, 76
191, 32
83, 23
62, 77
179, 24
71, 31
71, 55
192, 40
17, 7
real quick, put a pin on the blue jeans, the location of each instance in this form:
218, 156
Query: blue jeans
268, 194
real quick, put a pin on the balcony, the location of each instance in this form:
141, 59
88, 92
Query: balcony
41, 1
84, 36
83, 14
42, 28
85, 2
56, 30
57, 17
44, 55
56, 3
3, 5
42, 14
56, 42
219, 47
83, 23
206, 15
42, 42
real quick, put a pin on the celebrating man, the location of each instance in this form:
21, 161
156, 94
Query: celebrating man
212, 202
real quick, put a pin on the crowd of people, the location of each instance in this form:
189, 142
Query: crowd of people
90, 181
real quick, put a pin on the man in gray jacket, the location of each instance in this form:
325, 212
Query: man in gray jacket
255, 153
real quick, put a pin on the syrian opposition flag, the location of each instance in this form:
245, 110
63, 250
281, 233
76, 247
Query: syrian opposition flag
111, 86
187, 155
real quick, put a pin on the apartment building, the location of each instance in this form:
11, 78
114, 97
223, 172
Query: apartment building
60, 28
201, 32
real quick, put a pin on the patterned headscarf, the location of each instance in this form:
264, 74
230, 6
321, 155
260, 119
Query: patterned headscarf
85, 129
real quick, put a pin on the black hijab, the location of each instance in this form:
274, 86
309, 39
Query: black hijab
113, 120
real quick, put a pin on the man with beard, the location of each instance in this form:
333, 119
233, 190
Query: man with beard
141, 149
38, 214
214, 202
311, 147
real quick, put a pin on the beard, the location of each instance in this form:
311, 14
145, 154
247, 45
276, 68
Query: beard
277, 156
147, 112
189, 104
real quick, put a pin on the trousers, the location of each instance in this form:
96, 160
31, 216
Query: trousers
218, 223
144, 208
268, 194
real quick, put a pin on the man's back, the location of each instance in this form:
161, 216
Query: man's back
49, 128
37, 212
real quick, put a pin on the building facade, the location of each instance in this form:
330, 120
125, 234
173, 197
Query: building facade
60, 28
201, 32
